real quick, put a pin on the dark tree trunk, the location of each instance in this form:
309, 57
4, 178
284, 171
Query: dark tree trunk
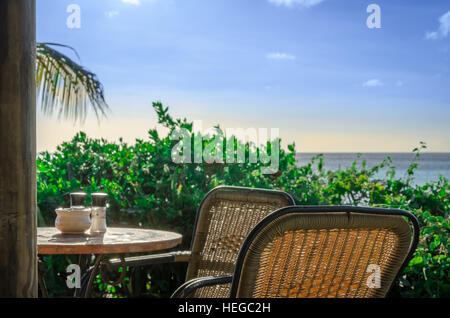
18, 253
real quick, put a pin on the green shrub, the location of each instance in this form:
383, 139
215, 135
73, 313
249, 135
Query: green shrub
147, 189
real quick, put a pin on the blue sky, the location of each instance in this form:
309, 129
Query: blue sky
311, 68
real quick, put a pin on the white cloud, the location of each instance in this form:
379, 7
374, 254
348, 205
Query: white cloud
431, 35
135, 2
375, 82
290, 3
444, 28
112, 14
280, 56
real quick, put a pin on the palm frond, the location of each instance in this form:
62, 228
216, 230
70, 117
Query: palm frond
66, 87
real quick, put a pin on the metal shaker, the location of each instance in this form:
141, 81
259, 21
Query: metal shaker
98, 214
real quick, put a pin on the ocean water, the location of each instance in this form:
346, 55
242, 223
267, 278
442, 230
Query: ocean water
431, 165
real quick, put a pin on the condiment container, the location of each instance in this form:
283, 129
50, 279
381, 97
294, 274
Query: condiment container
76, 219
98, 214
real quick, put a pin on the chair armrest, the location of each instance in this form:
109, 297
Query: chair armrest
191, 286
145, 260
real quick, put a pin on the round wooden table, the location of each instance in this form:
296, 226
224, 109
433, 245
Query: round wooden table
51, 241
114, 241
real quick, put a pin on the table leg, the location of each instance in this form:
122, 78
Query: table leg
89, 274
84, 261
41, 281
94, 271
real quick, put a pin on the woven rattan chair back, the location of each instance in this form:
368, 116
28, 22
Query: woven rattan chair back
224, 219
319, 252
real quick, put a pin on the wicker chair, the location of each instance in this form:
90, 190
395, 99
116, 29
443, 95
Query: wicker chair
224, 219
322, 251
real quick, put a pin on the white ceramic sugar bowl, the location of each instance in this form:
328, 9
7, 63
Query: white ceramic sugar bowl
74, 220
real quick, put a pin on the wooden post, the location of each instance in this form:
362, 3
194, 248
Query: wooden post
18, 252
